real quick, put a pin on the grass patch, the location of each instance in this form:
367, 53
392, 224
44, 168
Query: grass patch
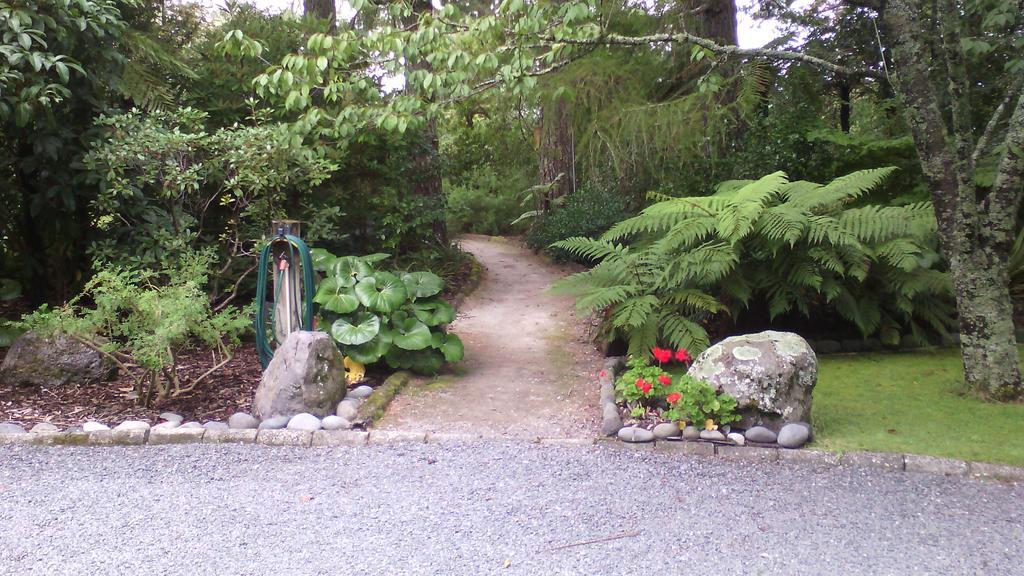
912, 402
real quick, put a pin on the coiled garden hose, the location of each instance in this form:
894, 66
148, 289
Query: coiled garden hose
299, 305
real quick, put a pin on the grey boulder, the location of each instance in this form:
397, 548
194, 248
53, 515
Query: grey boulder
11, 428
666, 430
736, 438
635, 434
611, 421
56, 361
44, 428
304, 421
761, 434
711, 435
275, 423
172, 417
771, 374
347, 409
335, 423
192, 424
307, 374
794, 435
691, 433
242, 421
361, 392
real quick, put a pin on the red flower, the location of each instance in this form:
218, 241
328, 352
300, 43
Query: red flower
602, 374
665, 379
640, 383
674, 397
683, 355
661, 355
646, 388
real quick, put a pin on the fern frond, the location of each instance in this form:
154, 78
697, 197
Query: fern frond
589, 249
634, 312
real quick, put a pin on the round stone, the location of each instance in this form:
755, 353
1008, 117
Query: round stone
93, 426
691, 433
335, 423
737, 438
44, 428
275, 423
711, 435
215, 426
810, 431
242, 421
172, 417
166, 425
11, 428
666, 430
360, 392
132, 425
192, 424
347, 410
304, 421
635, 434
794, 435
761, 434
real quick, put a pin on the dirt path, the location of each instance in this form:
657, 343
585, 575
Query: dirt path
529, 369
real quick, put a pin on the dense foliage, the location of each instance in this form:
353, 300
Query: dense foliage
795, 246
646, 388
394, 316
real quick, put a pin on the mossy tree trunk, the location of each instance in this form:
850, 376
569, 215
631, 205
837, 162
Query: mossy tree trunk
556, 154
976, 226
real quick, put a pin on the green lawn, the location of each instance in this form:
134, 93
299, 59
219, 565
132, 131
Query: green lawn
911, 402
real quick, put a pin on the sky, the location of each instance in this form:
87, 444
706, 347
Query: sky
752, 34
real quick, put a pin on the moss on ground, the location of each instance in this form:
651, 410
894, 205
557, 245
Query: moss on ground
912, 402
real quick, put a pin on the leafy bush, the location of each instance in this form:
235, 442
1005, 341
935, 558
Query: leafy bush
143, 320
374, 315
795, 246
485, 201
588, 211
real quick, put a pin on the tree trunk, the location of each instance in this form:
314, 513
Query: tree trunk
426, 174
322, 10
714, 20
844, 105
556, 151
975, 235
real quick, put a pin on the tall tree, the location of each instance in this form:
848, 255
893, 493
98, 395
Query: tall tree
322, 10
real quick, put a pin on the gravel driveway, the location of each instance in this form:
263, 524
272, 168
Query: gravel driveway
486, 509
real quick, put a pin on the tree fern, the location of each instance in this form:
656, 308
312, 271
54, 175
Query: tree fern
795, 246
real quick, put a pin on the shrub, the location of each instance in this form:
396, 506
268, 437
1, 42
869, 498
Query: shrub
394, 316
143, 320
795, 246
484, 201
588, 211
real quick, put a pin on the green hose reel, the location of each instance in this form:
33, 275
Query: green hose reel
292, 306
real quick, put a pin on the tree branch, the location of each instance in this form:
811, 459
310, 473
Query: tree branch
994, 121
1005, 199
724, 50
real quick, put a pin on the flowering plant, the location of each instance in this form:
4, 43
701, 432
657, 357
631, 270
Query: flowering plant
681, 398
696, 402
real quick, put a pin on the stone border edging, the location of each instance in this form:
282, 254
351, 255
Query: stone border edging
891, 462
373, 407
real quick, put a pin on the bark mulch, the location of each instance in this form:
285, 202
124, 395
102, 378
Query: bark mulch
228, 391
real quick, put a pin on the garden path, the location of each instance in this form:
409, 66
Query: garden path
529, 369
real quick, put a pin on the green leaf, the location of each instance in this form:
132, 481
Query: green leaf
372, 351
351, 267
412, 335
334, 295
355, 334
433, 312
382, 292
422, 284
322, 259
452, 348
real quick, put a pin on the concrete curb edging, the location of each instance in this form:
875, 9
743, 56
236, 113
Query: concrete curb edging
885, 461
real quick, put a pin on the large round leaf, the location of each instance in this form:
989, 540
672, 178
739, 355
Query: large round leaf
322, 259
370, 352
412, 336
381, 292
352, 268
422, 284
433, 312
349, 334
421, 362
452, 348
333, 295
